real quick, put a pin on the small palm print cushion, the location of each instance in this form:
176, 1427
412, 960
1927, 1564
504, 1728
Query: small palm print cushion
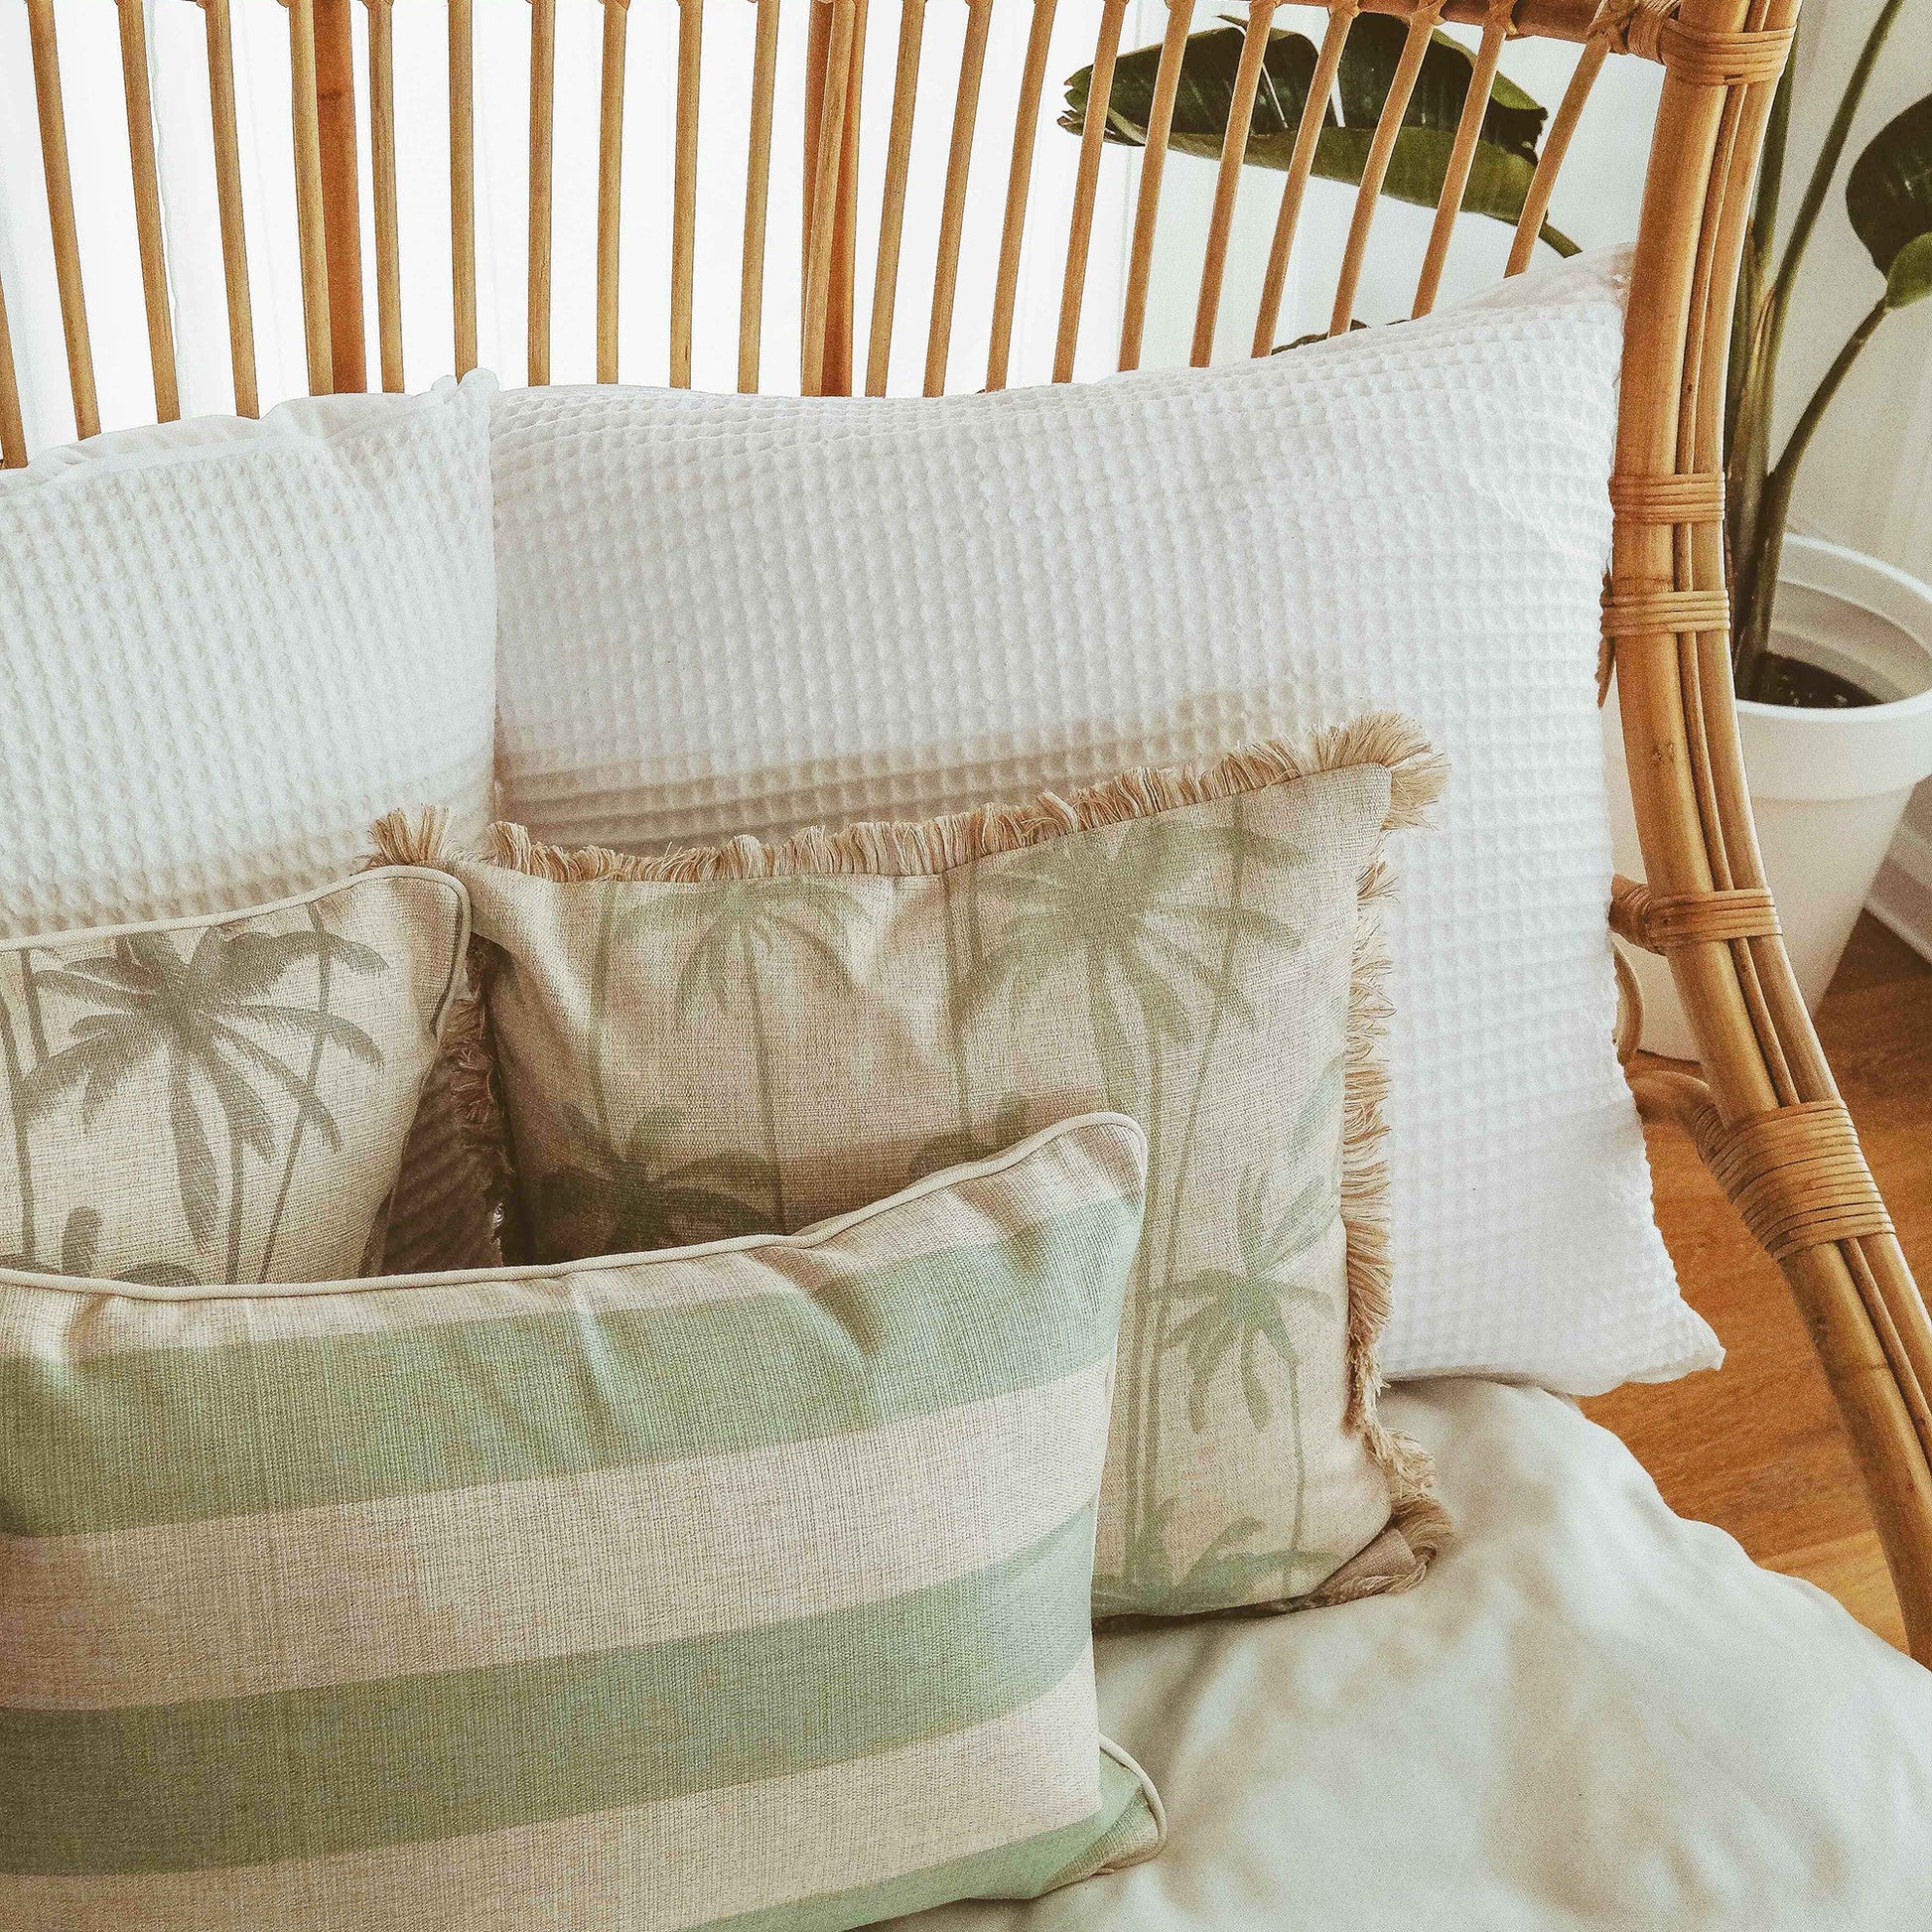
225, 1099
753, 1036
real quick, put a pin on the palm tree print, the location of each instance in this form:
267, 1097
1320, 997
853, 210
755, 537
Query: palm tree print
956, 1149
630, 1200
1238, 1313
737, 930
17, 1073
80, 1247
205, 1020
1140, 916
1114, 908
1249, 852
1221, 1575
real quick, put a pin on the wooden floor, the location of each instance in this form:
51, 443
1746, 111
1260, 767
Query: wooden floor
1756, 1446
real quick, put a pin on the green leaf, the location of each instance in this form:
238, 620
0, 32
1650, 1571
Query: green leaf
1512, 122
1889, 197
1505, 156
1909, 278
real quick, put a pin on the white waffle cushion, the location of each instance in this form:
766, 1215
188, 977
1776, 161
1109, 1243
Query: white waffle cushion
725, 614
225, 646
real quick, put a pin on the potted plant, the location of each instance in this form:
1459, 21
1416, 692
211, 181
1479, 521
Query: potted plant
1832, 650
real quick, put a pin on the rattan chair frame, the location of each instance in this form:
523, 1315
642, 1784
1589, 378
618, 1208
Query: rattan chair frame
1765, 1112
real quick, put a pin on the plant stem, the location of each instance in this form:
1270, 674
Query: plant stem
1833, 151
1299, 1522
1754, 525
1747, 378
1757, 584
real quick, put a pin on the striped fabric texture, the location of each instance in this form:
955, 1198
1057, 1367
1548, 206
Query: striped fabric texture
742, 1586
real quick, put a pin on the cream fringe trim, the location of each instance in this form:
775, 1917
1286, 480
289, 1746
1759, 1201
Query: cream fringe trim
923, 848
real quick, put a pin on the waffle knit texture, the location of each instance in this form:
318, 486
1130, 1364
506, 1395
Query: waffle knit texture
753, 613
225, 646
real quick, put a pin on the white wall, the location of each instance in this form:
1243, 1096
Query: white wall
1866, 481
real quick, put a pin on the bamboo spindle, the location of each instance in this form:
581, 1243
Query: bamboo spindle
610, 184
835, 368
1556, 146
311, 238
1227, 180
892, 207
757, 197
382, 193
1455, 177
47, 104
1019, 174
543, 120
147, 208
952, 212
1086, 182
684, 188
826, 176
1301, 164
1154, 163
1375, 169
818, 50
342, 204
227, 194
13, 437
463, 183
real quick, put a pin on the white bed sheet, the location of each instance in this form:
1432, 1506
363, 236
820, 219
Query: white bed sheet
1591, 1714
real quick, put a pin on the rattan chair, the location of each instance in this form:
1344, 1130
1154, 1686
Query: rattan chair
1765, 1115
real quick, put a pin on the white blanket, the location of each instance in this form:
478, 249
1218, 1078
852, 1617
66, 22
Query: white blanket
1591, 1714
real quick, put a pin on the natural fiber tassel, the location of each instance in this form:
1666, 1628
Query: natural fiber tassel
921, 848
402, 840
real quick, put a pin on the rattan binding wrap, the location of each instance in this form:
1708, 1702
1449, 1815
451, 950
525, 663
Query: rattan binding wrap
1696, 498
1796, 1174
1666, 613
1661, 924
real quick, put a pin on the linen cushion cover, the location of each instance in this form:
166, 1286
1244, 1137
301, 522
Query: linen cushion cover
1596, 1718
742, 1584
759, 1036
223, 1099
225, 646
749, 613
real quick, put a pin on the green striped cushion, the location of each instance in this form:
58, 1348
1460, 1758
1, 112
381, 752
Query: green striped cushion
740, 1586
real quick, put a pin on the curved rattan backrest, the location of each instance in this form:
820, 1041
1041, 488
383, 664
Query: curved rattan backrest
1767, 1113
979, 136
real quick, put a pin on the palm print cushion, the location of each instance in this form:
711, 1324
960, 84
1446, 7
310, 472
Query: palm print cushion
222, 1100
755, 1036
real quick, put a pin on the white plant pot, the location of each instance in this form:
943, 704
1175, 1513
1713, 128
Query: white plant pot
1828, 787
